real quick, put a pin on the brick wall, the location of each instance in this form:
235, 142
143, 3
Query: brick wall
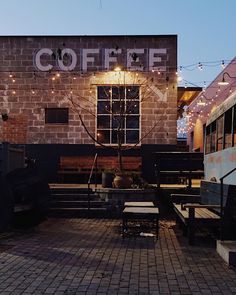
25, 92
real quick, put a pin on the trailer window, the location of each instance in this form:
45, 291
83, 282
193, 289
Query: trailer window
208, 140
228, 129
213, 137
234, 126
219, 140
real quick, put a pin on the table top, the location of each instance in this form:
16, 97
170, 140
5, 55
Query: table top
139, 204
141, 210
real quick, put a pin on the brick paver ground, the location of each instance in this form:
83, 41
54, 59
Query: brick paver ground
88, 256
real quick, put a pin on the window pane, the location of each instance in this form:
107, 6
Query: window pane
114, 137
132, 107
56, 115
234, 125
132, 122
104, 92
118, 121
228, 129
219, 123
103, 107
208, 140
118, 107
132, 136
103, 122
118, 92
103, 136
213, 137
132, 92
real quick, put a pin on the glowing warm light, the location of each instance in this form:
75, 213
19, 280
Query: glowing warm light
223, 82
201, 103
179, 79
117, 69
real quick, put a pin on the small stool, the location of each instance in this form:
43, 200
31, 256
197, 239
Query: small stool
137, 213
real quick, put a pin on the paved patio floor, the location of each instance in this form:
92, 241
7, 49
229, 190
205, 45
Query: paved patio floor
88, 256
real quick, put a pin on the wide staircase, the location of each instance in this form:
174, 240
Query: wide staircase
73, 201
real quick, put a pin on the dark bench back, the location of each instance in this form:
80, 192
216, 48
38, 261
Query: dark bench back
84, 163
178, 161
211, 195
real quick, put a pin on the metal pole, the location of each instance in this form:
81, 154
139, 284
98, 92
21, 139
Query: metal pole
221, 208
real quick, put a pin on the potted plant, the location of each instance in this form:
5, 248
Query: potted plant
107, 178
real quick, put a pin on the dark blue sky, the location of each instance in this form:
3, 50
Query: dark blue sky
206, 29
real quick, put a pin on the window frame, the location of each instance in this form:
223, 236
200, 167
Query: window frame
111, 130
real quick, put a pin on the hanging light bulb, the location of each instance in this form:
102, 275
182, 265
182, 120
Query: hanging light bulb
200, 66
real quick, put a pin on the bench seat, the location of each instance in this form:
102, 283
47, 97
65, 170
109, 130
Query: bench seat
204, 210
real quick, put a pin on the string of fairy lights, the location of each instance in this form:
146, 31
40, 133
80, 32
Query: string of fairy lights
11, 86
202, 106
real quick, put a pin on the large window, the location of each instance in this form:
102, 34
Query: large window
118, 108
56, 115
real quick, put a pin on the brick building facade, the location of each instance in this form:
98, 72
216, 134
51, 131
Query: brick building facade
41, 76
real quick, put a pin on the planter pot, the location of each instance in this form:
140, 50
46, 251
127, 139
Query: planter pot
107, 179
122, 181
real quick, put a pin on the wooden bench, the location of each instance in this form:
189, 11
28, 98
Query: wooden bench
178, 165
81, 165
204, 210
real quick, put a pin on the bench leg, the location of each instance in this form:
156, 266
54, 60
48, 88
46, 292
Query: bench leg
124, 226
191, 226
157, 227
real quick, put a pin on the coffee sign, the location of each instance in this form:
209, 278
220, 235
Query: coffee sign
87, 59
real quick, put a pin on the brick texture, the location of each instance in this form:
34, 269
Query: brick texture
25, 92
